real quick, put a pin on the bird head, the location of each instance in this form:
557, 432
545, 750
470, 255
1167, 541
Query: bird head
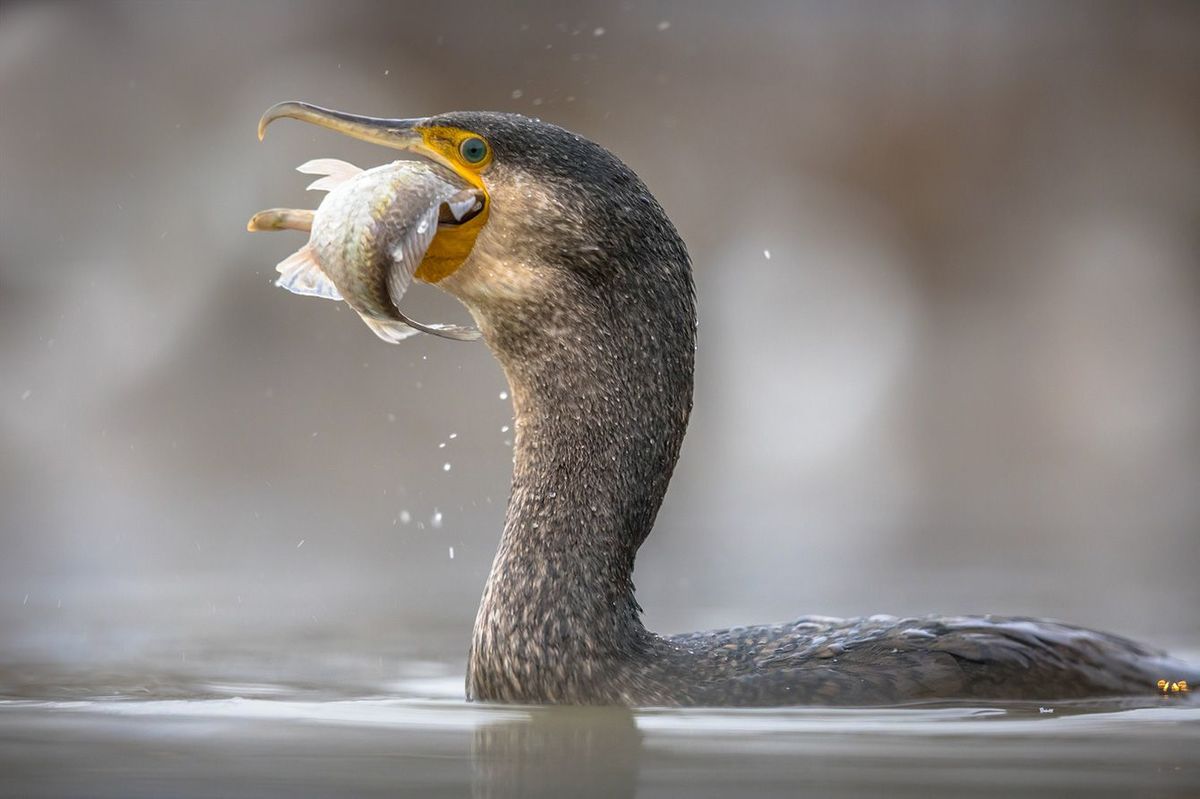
561, 218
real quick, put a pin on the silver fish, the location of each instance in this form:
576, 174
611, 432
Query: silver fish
368, 236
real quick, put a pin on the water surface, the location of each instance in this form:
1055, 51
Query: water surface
113, 733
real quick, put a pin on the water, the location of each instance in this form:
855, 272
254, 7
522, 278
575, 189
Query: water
173, 731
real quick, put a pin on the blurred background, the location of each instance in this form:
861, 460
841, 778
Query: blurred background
948, 266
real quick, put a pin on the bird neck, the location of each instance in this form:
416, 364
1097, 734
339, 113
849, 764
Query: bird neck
602, 389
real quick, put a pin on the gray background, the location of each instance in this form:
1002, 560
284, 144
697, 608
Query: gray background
966, 378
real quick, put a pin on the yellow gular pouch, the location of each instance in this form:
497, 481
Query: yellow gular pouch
453, 243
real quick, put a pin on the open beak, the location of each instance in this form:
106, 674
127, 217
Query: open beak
398, 134
458, 223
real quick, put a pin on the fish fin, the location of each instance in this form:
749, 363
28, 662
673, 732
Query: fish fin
327, 183
455, 332
300, 273
390, 331
335, 172
406, 257
408, 252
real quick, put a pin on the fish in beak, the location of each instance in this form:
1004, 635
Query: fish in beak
372, 231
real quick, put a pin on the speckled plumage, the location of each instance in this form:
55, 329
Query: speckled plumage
583, 290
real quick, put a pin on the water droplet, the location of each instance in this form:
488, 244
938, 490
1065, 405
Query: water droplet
598, 32
445, 467
662, 26
302, 540
451, 553
503, 395
453, 436
405, 517
767, 254
436, 518
516, 94
27, 393
504, 429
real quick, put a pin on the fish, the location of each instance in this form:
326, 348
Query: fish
368, 236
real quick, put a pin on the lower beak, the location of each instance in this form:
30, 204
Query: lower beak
400, 134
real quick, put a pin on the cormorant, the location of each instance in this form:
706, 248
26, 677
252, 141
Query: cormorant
583, 290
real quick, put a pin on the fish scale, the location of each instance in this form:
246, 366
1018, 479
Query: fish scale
368, 236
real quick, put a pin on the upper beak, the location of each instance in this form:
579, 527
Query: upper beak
400, 134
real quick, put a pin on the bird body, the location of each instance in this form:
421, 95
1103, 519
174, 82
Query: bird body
582, 289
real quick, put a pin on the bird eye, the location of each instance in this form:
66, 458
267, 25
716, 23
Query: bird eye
473, 149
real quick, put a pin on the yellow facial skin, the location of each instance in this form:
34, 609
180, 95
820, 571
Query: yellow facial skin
453, 243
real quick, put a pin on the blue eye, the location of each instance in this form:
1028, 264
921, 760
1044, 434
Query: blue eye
473, 150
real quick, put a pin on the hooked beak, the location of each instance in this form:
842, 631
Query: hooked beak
457, 226
399, 134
